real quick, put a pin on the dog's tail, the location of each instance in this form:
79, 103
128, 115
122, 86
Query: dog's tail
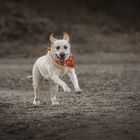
29, 77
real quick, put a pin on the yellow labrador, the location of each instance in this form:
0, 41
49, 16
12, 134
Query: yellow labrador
55, 64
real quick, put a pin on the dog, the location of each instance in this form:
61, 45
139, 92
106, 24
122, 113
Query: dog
57, 63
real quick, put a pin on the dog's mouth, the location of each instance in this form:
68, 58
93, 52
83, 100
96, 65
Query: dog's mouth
61, 59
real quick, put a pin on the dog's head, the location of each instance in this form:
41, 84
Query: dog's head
60, 47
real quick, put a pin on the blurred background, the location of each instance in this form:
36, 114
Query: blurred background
97, 26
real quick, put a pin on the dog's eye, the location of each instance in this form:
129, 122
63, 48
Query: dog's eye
65, 47
58, 47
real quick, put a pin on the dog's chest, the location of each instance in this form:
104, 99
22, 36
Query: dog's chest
63, 71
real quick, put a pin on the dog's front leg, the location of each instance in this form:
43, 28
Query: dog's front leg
53, 93
61, 83
74, 80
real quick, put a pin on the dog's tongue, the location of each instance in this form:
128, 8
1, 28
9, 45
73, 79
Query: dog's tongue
62, 61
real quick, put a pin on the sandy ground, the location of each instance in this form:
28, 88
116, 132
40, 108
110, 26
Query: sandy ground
108, 108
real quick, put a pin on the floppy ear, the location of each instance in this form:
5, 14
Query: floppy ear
66, 36
52, 39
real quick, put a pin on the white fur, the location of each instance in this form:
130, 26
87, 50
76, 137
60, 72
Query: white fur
46, 68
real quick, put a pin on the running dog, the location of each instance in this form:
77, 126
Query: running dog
55, 64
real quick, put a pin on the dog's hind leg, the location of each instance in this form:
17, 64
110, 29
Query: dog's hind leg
53, 93
37, 84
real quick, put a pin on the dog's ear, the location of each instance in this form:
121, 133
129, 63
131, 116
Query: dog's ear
52, 39
66, 36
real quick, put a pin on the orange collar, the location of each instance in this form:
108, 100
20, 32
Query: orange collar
69, 62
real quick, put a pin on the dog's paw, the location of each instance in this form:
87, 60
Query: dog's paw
67, 89
78, 90
36, 103
55, 103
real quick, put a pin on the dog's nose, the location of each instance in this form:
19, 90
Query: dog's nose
62, 54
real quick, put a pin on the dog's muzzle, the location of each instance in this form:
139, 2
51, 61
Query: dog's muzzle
61, 56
